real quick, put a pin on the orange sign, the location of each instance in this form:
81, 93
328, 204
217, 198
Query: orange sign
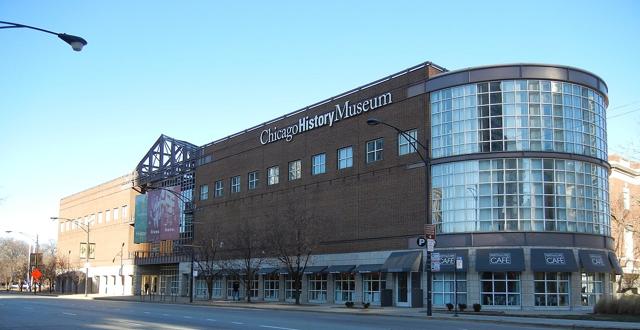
36, 274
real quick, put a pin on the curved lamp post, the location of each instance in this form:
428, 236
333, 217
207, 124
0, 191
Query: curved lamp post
74, 41
426, 159
86, 228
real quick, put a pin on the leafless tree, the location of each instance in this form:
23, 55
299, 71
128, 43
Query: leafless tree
294, 237
50, 264
13, 258
207, 258
624, 219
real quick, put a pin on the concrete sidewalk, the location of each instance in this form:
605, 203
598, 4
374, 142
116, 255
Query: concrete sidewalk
539, 318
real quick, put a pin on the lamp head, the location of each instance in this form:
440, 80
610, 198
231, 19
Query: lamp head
373, 122
74, 41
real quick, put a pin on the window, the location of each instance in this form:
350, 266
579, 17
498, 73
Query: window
235, 184
592, 288
372, 284
444, 288
318, 287
289, 289
116, 215
500, 289
107, 215
204, 192
626, 198
628, 243
318, 164
295, 170
125, 213
345, 157
230, 281
374, 150
253, 291
551, 289
253, 180
219, 188
62, 227
407, 142
345, 286
271, 286
99, 217
273, 175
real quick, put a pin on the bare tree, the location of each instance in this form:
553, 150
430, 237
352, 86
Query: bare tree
206, 258
13, 258
50, 264
294, 238
247, 250
623, 219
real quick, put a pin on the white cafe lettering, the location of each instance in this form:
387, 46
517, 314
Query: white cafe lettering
500, 259
554, 259
596, 260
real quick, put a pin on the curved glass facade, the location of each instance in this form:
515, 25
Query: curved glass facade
520, 194
518, 115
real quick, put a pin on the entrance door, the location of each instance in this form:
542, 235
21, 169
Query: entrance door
402, 289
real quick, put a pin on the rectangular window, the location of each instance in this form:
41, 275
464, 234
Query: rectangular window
289, 289
295, 170
372, 284
345, 157
253, 180
116, 215
204, 192
99, 217
592, 288
551, 289
271, 286
345, 286
500, 289
407, 142
374, 150
318, 164
273, 175
125, 213
235, 184
230, 281
219, 188
626, 198
107, 215
444, 289
318, 287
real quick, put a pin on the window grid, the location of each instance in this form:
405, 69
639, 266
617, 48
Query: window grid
592, 288
374, 150
289, 290
318, 287
407, 142
345, 286
551, 289
536, 115
253, 180
318, 164
204, 192
218, 188
271, 286
500, 289
273, 175
235, 184
295, 170
345, 158
372, 284
444, 289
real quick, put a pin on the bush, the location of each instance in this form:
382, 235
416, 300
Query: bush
462, 307
349, 304
450, 306
477, 307
366, 304
629, 305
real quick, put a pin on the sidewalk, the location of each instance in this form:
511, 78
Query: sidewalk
539, 318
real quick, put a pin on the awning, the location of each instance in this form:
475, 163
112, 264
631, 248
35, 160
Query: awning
266, 271
314, 269
233, 272
553, 260
340, 269
369, 268
405, 261
615, 264
594, 261
500, 260
283, 271
448, 260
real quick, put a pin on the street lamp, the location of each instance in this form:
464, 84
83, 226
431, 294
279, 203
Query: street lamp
86, 228
121, 272
29, 277
426, 159
74, 41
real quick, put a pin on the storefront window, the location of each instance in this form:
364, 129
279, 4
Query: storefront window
372, 284
345, 285
500, 289
444, 289
318, 287
592, 288
271, 286
551, 289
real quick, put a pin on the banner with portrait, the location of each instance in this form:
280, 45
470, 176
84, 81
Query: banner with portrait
163, 214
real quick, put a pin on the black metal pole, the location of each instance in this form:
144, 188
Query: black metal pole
191, 279
427, 210
455, 289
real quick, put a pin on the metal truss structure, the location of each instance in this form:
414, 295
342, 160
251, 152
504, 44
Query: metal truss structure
167, 158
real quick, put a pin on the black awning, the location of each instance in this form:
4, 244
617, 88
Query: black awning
369, 268
283, 271
314, 269
553, 260
615, 264
266, 271
405, 261
448, 260
594, 261
340, 269
500, 260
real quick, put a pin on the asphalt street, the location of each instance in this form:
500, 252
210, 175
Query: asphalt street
36, 312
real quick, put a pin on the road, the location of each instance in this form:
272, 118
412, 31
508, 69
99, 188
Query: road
39, 312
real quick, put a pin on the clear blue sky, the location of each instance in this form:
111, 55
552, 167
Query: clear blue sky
201, 70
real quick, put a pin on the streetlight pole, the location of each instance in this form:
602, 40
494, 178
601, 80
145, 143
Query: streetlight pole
86, 228
74, 41
426, 159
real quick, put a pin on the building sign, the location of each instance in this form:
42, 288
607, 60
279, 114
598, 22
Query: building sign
500, 258
555, 259
596, 259
340, 112
92, 250
140, 227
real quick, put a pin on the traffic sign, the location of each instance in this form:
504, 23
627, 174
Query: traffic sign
36, 274
421, 241
459, 263
430, 231
435, 262
431, 244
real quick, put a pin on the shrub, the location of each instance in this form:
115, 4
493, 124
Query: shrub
349, 304
629, 305
477, 307
450, 306
366, 304
462, 307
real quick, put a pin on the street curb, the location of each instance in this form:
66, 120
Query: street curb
504, 320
